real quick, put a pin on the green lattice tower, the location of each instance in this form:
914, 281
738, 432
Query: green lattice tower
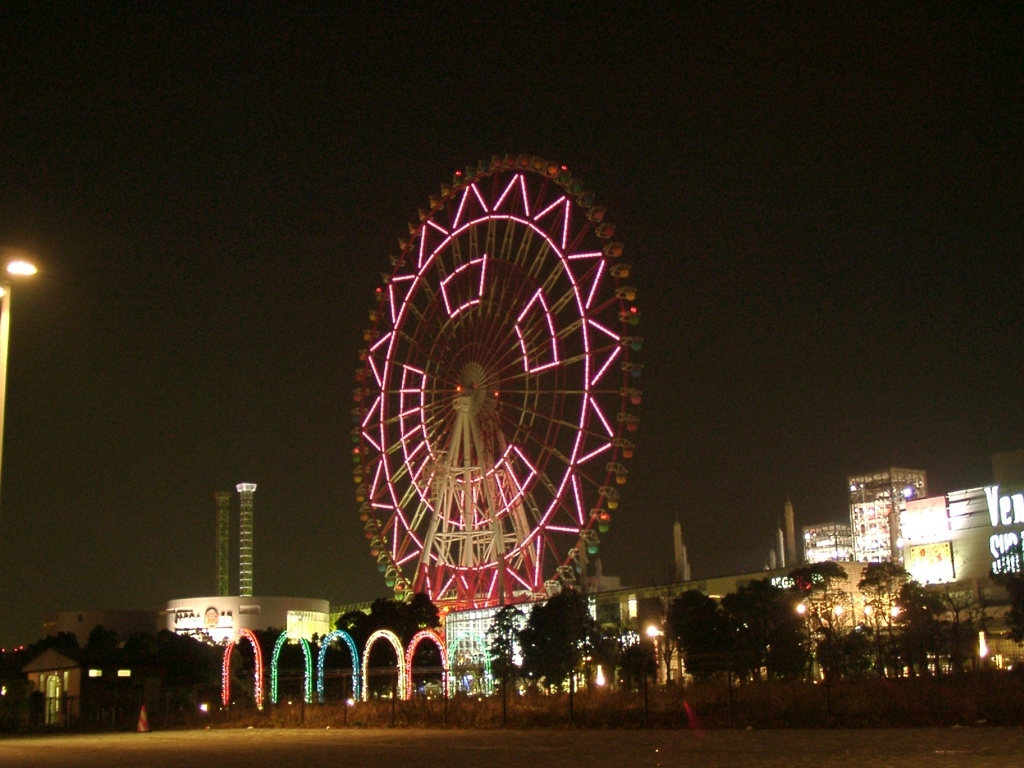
223, 499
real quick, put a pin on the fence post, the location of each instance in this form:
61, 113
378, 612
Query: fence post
645, 696
572, 690
394, 695
728, 678
504, 698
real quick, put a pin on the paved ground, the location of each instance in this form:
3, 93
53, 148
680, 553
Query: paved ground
924, 748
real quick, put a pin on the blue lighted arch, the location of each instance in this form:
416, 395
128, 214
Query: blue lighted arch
324, 645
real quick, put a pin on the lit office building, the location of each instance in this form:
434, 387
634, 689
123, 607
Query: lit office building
877, 503
828, 541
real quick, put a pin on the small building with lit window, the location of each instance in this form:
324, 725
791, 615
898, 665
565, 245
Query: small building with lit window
68, 691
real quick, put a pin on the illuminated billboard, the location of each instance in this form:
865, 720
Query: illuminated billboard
931, 563
925, 520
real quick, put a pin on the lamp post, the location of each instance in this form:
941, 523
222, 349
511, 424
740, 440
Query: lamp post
16, 266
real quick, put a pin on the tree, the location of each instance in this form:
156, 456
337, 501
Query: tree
700, 628
961, 606
101, 647
669, 647
767, 631
184, 664
825, 608
557, 635
921, 633
1013, 583
358, 624
636, 662
881, 584
405, 619
502, 637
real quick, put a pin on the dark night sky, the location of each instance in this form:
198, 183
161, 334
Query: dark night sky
823, 209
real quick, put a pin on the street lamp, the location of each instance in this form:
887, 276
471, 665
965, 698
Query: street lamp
15, 267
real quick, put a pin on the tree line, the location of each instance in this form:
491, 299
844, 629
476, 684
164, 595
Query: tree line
810, 629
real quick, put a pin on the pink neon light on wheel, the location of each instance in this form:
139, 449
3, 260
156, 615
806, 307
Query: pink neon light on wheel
491, 401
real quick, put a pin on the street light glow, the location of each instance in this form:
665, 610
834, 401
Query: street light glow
21, 267
653, 631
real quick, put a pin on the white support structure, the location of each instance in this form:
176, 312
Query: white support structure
473, 522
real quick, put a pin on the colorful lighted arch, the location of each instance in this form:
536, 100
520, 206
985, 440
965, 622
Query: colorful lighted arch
324, 645
392, 638
225, 677
307, 682
469, 648
426, 634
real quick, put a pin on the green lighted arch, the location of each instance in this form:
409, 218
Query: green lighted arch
307, 682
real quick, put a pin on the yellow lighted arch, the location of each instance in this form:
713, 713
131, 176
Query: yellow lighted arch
392, 638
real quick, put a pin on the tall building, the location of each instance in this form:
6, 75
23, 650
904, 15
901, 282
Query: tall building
877, 503
245, 491
791, 555
682, 562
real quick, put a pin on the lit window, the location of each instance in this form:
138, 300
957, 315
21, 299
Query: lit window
124, 673
95, 673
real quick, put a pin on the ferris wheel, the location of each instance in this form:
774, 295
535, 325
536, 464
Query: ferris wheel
493, 400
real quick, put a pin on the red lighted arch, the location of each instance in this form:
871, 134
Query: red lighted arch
225, 675
411, 651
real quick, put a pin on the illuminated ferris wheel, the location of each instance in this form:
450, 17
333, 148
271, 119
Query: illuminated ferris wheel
494, 395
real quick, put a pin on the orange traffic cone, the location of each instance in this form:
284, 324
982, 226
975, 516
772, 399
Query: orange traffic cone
143, 726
